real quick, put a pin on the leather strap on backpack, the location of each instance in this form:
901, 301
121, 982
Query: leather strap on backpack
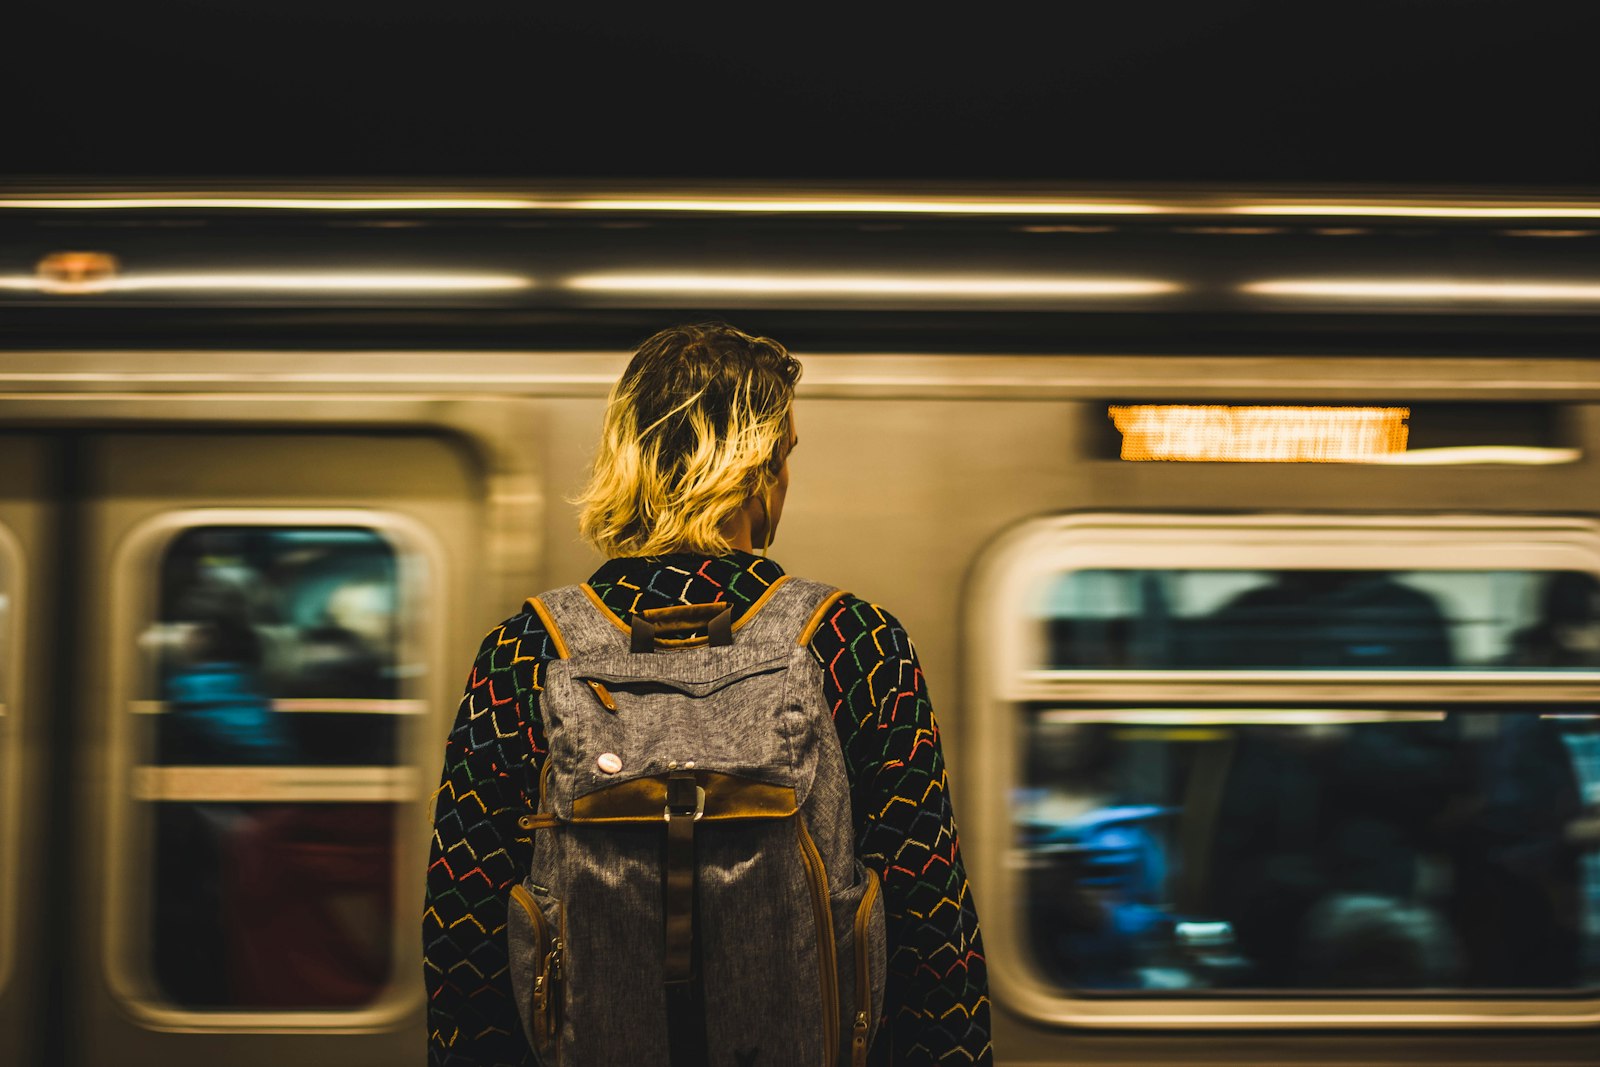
649, 628
686, 1014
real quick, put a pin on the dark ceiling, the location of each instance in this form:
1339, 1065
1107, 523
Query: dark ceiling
1426, 92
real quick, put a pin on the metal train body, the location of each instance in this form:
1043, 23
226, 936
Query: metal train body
424, 372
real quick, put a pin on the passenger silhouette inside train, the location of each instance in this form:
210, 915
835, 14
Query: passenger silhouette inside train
1316, 822
1099, 874
1375, 942
1326, 619
1460, 822
1519, 894
1451, 821
1567, 633
218, 709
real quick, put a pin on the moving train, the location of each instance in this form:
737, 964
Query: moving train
1250, 541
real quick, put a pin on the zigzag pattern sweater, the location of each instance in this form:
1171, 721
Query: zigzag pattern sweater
936, 1004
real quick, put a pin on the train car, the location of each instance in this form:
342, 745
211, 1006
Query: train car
1250, 541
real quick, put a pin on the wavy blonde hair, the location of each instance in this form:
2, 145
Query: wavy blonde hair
696, 425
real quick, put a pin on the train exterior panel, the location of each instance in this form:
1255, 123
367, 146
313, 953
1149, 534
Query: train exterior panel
332, 436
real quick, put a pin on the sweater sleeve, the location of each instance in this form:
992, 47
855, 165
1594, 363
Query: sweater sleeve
936, 1003
491, 764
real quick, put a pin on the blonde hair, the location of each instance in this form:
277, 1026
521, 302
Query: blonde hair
696, 425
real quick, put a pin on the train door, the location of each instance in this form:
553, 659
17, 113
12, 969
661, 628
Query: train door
259, 673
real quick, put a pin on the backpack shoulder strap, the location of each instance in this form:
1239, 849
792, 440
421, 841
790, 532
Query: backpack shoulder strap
787, 613
537, 606
578, 623
819, 615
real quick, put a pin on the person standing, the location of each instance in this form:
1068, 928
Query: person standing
691, 476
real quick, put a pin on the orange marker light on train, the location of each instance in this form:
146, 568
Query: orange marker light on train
76, 272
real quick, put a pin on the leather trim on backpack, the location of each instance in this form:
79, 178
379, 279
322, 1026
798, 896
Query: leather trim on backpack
812, 624
728, 796
680, 642
550, 626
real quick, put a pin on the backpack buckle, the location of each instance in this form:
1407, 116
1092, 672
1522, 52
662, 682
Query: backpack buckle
678, 799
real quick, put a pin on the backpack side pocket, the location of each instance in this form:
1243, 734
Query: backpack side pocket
537, 964
859, 915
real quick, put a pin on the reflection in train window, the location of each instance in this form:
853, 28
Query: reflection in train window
276, 707
1312, 849
1304, 619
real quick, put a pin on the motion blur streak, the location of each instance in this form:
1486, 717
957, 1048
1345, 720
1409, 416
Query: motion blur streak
877, 207
1380, 289
1515, 454
279, 203
1423, 211
275, 282
847, 285
827, 205
843, 203
1231, 716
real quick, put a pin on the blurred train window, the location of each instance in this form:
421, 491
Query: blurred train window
1312, 849
1257, 762
1323, 619
279, 691
275, 646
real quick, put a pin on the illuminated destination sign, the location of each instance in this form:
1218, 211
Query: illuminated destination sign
1226, 434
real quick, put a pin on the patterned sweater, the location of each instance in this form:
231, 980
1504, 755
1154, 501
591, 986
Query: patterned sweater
936, 1005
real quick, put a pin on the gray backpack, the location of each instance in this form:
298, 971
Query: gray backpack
694, 896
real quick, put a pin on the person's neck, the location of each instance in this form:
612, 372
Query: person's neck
738, 531
739, 538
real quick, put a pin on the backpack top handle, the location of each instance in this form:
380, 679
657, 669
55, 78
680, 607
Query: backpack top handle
648, 629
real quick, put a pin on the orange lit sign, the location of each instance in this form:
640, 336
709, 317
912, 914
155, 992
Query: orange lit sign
1219, 433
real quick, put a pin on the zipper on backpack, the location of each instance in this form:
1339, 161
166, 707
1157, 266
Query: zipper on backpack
827, 951
547, 1002
858, 1039
547, 983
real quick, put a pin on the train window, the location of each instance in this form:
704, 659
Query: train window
1326, 849
274, 646
1321, 619
273, 729
1294, 771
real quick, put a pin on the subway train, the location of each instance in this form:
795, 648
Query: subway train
1250, 540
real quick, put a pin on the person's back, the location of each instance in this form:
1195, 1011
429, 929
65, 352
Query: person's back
691, 475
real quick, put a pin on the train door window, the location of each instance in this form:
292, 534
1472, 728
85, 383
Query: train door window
269, 738
1292, 771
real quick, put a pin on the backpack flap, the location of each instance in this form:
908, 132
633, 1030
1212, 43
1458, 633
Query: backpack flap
626, 723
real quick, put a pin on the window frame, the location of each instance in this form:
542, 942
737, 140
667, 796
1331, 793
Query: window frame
1002, 644
133, 789
13, 571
